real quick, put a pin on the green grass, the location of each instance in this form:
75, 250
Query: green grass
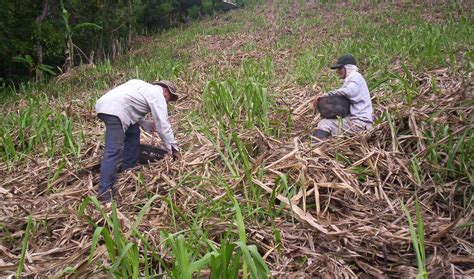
233, 102
39, 125
127, 260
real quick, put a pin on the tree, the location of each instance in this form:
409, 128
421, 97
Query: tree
36, 36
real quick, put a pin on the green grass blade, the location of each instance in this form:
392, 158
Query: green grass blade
24, 247
420, 230
142, 213
95, 240
415, 241
248, 261
123, 254
240, 221
260, 262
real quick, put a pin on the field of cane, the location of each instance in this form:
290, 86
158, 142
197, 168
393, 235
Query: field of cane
252, 196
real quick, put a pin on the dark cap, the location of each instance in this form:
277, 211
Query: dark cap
346, 59
171, 88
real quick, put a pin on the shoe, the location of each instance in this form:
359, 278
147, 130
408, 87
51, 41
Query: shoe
105, 197
320, 135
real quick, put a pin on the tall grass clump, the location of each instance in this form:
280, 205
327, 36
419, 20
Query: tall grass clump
38, 128
130, 254
311, 62
234, 258
235, 156
259, 71
251, 257
236, 102
184, 265
450, 154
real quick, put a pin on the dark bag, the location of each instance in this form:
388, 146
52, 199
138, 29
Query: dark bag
149, 153
333, 106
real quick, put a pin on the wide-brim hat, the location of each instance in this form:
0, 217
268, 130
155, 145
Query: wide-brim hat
346, 59
171, 88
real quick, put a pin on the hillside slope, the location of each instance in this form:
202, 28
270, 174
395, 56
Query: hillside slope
250, 174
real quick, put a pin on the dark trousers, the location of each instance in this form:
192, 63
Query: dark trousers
116, 141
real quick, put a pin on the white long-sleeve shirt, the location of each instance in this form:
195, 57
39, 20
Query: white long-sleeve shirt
132, 101
355, 89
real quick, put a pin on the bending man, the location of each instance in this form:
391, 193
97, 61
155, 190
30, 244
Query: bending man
123, 109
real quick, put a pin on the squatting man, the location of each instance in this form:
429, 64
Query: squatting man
123, 110
356, 91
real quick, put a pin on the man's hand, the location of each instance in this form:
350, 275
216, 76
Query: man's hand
176, 155
315, 102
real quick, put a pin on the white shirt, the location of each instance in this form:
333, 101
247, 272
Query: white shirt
355, 89
132, 101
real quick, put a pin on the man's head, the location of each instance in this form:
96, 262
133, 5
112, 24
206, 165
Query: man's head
169, 90
346, 59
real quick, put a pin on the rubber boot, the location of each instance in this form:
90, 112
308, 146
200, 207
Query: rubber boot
320, 135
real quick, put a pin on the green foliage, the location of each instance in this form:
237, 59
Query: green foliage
207, 6
44, 35
126, 258
130, 258
252, 259
233, 101
226, 264
223, 263
193, 12
38, 125
451, 158
183, 266
311, 62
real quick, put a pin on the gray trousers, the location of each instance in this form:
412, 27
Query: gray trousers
346, 125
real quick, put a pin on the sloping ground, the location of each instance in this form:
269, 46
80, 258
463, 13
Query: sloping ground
332, 210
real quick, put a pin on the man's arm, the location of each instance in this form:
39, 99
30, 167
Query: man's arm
349, 90
147, 126
159, 111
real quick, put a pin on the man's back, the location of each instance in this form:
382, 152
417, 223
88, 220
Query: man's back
130, 101
361, 104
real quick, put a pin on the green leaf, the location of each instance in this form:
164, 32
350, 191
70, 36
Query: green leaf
240, 222
122, 255
95, 240
260, 262
248, 259
201, 263
46, 68
24, 247
142, 213
88, 25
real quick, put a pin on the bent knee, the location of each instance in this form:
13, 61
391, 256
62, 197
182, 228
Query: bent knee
329, 125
